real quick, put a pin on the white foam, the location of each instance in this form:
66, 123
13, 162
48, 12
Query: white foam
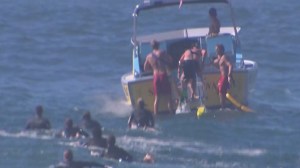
105, 104
28, 134
251, 152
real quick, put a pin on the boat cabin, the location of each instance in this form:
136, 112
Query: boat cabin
176, 42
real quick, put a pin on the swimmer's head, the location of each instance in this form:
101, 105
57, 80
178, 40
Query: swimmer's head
39, 110
68, 155
69, 122
212, 12
86, 115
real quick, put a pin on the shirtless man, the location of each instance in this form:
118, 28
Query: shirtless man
214, 28
225, 73
159, 62
192, 66
38, 122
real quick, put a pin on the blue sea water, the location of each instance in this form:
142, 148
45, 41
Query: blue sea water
69, 56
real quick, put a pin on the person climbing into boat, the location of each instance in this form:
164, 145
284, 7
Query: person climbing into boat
69, 162
159, 61
192, 64
38, 122
214, 28
225, 68
141, 117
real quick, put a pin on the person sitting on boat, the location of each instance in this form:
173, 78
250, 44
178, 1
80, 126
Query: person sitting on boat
38, 122
141, 117
158, 61
225, 68
115, 152
191, 62
96, 140
68, 162
89, 124
214, 28
71, 131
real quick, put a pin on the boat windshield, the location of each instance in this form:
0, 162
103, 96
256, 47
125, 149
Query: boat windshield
175, 18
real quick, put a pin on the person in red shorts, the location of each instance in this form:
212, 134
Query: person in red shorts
225, 73
158, 61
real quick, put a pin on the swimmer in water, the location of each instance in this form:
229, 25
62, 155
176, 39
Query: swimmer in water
87, 123
141, 117
71, 131
38, 122
97, 139
115, 152
68, 162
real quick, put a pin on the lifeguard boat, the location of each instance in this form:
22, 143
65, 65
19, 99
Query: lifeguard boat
138, 83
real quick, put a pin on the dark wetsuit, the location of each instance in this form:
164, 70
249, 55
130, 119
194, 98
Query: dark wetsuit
143, 118
98, 142
118, 153
190, 67
90, 124
38, 123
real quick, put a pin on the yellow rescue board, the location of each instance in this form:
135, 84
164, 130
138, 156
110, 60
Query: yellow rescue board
200, 111
237, 104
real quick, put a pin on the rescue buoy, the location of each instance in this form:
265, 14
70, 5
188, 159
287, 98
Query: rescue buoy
238, 104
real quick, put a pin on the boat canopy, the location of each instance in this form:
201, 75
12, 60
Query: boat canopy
151, 4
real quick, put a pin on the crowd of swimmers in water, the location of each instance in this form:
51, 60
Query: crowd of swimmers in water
91, 131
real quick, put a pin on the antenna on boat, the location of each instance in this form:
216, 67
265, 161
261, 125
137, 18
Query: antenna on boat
134, 15
233, 21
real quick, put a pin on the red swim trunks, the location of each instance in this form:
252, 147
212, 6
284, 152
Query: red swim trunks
223, 85
161, 84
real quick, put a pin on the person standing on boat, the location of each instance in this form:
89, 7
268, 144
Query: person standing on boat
214, 28
225, 68
38, 122
191, 62
158, 61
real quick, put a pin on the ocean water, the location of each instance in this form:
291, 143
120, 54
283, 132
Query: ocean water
69, 56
